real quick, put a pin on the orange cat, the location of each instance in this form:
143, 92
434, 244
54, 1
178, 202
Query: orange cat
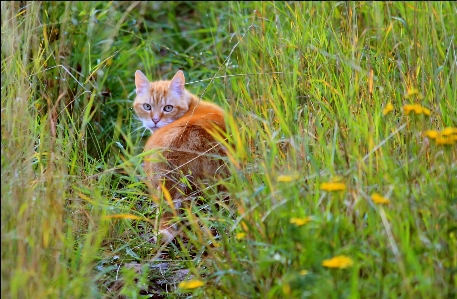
181, 124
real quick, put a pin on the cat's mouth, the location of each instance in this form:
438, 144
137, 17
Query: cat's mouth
154, 128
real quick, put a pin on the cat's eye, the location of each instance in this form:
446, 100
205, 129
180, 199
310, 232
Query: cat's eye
168, 108
147, 107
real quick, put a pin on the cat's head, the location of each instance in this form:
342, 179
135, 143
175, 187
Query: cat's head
159, 103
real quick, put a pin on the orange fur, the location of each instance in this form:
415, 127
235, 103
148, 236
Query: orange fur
182, 137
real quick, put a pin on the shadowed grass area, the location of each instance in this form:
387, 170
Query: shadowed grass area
337, 125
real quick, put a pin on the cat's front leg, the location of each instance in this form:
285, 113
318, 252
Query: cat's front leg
167, 231
168, 227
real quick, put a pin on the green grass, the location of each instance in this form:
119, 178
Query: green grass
305, 85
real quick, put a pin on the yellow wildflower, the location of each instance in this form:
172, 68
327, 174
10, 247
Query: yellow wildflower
300, 221
333, 186
416, 108
240, 236
440, 140
426, 111
412, 91
389, 107
379, 199
339, 262
191, 284
303, 272
449, 131
431, 134
447, 136
288, 178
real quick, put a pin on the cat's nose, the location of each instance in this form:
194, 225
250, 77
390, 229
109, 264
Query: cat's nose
155, 120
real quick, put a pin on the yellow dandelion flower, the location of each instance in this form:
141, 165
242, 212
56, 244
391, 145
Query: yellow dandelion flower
333, 186
240, 236
338, 262
446, 137
288, 178
432, 134
440, 140
412, 91
300, 221
407, 109
416, 108
449, 131
426, 111
389, 107
379, 199
191, 284
303, 272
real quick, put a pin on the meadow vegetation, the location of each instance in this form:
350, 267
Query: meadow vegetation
343, 155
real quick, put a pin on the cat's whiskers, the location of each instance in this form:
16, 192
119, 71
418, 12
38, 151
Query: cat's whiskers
140, 125
139, 128
144, 131
136, 117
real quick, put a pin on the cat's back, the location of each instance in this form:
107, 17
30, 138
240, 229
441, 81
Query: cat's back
192, 130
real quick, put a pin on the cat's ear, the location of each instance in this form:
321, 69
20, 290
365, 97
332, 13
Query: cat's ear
177, 83
141, 83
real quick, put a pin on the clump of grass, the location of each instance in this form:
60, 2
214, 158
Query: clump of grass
336, 189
